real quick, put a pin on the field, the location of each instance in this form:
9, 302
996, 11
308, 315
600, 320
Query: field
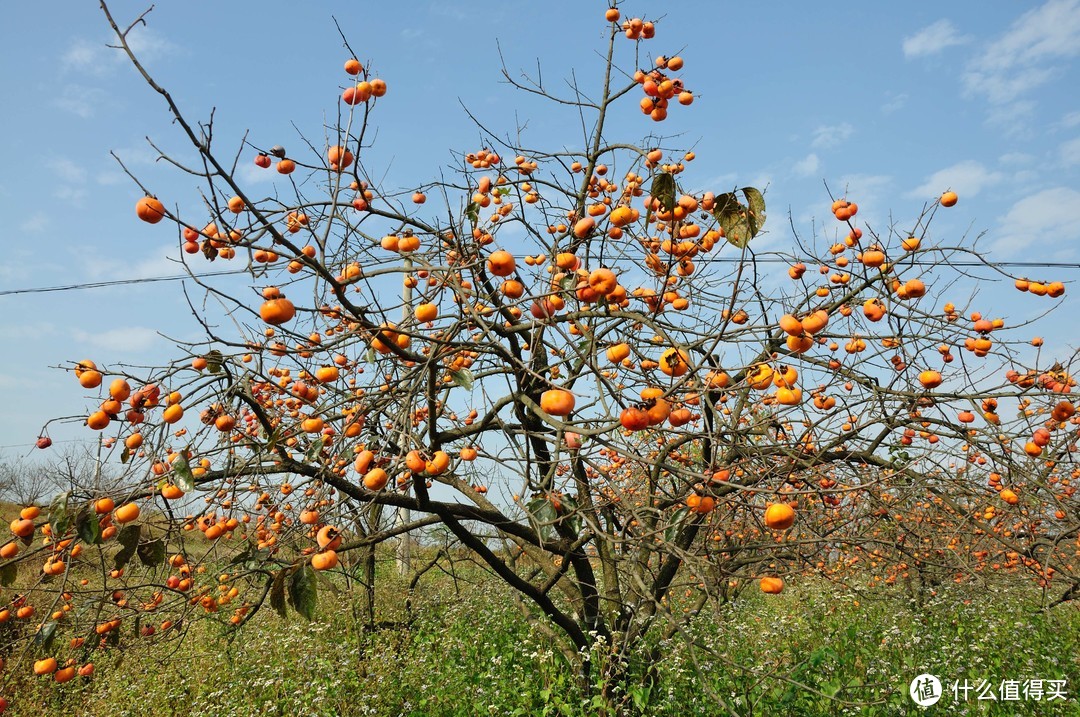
466, 650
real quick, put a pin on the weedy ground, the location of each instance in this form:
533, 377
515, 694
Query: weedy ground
813, 650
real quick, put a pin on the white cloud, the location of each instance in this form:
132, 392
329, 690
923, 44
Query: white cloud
831, 135
1070, 152
28, 332
1050, 213
147, 45
249, 174
109, 179
133, 338
866, 190
1015, 158
84, 56
79, 100
966, 178
807, 166
155, 263
932, 39
73, 196
894, 101
1026, 55
97, 58
1072, 119
66, 170
35, 223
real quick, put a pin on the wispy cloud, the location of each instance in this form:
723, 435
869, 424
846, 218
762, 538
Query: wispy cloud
157, 262
35, 223
250, 174
807, 166
894, 101
1015, 158
120, 340
28, 332
933, 39
66, 170
1026, 56
79, 100
967, 178
1072, 119
1069, 152
1052, 212
95, 57
871, 191
827, 136
73, 196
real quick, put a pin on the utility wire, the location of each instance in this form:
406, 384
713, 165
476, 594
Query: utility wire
708, 260
116, 282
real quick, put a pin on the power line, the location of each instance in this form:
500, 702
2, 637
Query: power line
115, 282
707, 260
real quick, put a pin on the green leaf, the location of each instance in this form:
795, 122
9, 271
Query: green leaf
182, 474
314, 449
214, 360
152, 553
303, 591
676, 524
740, 222
756, 203
8, 572
59, 517
243, 556
277, 593
542, 515
43, 638
463, 377
87, 526
129, 540
472, 211
663, 189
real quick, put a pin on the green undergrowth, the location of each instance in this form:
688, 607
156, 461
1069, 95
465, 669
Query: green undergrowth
468, 650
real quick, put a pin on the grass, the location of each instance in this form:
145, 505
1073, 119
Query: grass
809, 651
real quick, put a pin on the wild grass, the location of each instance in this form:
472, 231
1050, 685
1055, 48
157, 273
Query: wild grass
813, 650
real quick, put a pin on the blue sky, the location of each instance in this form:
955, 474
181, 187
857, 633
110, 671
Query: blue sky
895, 102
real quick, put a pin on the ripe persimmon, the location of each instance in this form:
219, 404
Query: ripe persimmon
126, 513
700, 503
46, 666
339, 158
557, 402
277, 311
501, 263
675, 362
376, 479
779, 516
930, 379
326, 560
328, 538
150, 210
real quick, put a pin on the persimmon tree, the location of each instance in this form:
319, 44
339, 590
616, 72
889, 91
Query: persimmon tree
573, 362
